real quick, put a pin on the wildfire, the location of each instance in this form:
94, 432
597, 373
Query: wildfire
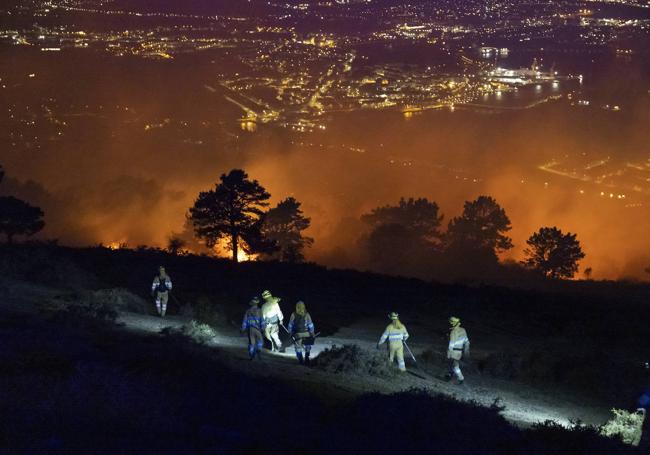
224, 250
116, 245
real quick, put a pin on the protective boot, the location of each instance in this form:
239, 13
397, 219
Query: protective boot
300, 359
307, 360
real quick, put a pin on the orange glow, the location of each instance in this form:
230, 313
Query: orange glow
116, 245
224, 250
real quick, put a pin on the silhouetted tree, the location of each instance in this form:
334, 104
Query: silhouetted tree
552, 253
19, 218
402, 235
419, 217
283, 226
175, 244
255, 242
481, 228
232, 210
392, 248
588, 271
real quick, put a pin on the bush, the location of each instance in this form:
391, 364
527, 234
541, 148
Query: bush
352, 359
628, 426
199, 333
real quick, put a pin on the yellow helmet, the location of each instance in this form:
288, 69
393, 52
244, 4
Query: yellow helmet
454, 321
393, 316
266, 294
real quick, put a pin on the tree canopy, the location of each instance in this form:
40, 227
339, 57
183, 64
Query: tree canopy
418, 216
283, 226
232, 210
481, 227
552, 253
17, 217
401, 235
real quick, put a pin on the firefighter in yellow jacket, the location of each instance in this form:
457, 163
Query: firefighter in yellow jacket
457, 349
272, 317
396, 334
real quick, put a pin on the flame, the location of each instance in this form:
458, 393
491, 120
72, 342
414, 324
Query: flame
116, 245
224, 250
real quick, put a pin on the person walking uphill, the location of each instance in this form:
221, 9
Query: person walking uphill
396, 334
272, 317
457, 349
301, 328
160, 288
253, 326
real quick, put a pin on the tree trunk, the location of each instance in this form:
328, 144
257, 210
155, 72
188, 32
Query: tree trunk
235, 247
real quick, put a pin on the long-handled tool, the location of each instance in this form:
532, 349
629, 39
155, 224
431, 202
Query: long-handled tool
422, 370
293, 340
410, 352
287, 330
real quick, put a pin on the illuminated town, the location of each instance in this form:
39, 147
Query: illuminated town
275, 71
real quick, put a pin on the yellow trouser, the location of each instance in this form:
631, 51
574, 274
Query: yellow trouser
396, 351
272, 333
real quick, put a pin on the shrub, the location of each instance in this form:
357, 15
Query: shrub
626, 425
200, 333
354, 360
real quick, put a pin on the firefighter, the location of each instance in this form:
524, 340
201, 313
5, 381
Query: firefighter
301, 329
272, 317
160, 288
253, 326
457, 349
396, 334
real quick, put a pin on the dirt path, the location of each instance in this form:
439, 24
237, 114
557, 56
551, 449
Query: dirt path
522, 405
